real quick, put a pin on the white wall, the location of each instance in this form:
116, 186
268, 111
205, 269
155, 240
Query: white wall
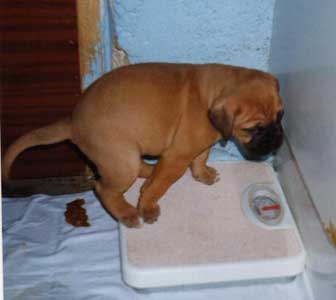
304, 56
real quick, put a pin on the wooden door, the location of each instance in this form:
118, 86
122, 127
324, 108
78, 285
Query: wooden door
40, 80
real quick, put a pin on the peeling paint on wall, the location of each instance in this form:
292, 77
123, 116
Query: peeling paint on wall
89, 34
95, 39
120, 56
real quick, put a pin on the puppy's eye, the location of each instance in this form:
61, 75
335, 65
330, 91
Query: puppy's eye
249, 130
253, 130
279, 116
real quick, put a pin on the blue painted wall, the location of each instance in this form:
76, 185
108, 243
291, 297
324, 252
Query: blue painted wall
227, 31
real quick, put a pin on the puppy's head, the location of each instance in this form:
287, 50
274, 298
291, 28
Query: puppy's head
251, 114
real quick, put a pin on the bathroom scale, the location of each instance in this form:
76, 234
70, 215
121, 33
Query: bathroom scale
239, 228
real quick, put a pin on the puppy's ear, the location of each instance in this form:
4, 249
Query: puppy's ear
221, 115
276, 83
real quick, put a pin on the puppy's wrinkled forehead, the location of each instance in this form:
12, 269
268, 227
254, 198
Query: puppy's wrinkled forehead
258, 103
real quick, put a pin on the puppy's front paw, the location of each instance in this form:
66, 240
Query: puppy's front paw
131, 219
150, 214
146, 184
207, 175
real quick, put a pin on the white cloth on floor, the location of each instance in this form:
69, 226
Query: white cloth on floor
45, 258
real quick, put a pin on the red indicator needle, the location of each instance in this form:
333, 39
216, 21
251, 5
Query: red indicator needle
271, 207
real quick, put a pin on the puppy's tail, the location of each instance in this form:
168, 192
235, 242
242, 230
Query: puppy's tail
54, 133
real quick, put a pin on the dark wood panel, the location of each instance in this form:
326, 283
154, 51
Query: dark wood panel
40, 82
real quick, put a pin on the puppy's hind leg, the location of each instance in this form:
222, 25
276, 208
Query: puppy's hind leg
117, 175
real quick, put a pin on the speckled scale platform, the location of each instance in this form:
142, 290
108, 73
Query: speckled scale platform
203, 234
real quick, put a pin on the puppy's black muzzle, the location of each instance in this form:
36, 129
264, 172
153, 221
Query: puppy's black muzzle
264, 141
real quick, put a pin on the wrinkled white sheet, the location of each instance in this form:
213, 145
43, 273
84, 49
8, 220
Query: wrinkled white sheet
47, 259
